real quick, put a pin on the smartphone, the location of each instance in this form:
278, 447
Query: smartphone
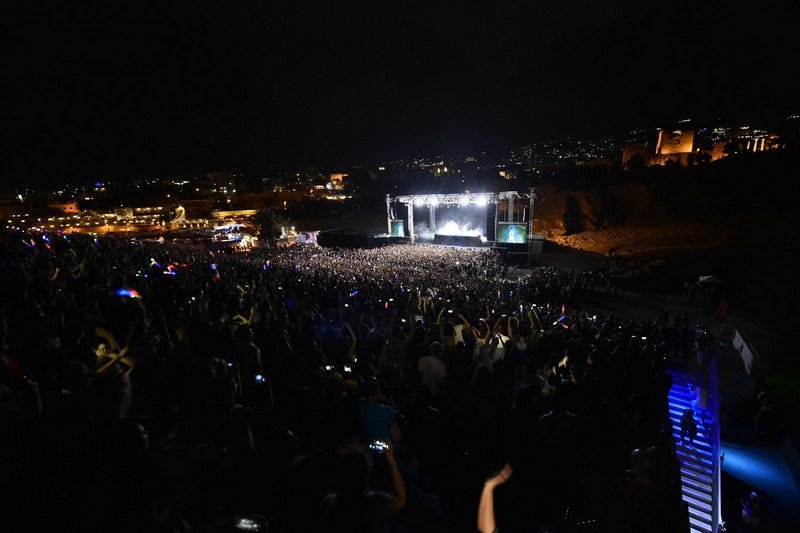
260, 378
378, 445
250, 523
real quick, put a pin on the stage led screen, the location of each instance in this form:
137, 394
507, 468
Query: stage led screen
512, 232
398, 228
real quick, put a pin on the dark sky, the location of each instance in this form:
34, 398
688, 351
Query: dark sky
115, 90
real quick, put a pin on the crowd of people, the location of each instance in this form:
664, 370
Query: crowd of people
148, 386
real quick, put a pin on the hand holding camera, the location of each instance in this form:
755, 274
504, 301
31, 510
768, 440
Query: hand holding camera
379, 446
384, 447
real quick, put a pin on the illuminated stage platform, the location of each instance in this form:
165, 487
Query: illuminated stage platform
502, 221
460, 240
497, 219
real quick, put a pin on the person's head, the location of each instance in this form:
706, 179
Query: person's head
576, 371
483, 377
73, 378
352, 470
645, 466
525, 399
483, 351
448, 330
436, 349
372, 387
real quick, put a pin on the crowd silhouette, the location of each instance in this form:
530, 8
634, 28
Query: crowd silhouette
150, 386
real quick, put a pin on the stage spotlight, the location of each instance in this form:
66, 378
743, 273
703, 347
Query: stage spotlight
419, 202
463, 201
481, 200
434, 202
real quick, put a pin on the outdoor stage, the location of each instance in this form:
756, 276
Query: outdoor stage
500, 221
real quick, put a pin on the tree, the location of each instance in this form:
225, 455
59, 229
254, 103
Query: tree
269, 223
635, 162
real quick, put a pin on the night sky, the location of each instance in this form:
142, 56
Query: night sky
99, 91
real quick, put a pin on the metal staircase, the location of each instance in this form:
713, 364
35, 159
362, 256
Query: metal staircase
700, 463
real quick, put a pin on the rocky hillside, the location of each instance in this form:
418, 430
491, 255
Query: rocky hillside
747, 201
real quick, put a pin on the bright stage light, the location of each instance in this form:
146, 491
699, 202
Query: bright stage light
481, 200
419, 202
463, 201
434, 202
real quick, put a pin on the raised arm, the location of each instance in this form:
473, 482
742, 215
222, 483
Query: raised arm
439, 316
477, 332
351, 350
510, 327
486, 518
398, 487
536, 321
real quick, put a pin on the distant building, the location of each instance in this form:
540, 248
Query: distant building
232, 213
10, 205
682, 146
123, 213
674, 142
337, 180
196, 208
278, 199
69, 206
750, 140
133, 213
675, 146
147, 211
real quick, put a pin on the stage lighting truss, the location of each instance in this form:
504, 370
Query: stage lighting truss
459, 200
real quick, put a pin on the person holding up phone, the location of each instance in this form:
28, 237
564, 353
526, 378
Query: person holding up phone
355, 504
